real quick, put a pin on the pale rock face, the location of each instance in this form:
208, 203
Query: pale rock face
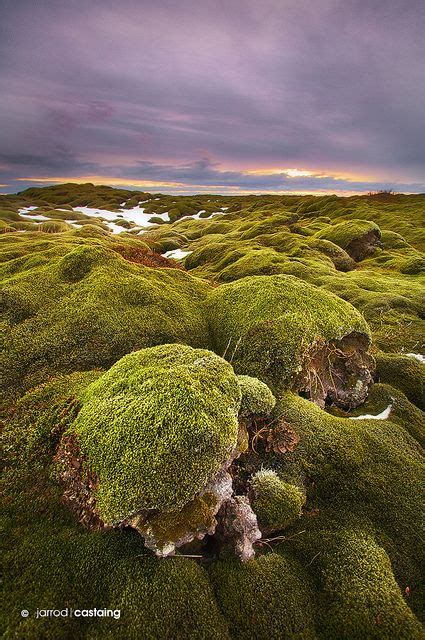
238, 529
221, 488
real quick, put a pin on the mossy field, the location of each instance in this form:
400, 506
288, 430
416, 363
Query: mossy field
213, 415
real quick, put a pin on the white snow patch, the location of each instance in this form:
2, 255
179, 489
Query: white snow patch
74, 223
381, 416
136, 215
417, 356
24, 210
24, 213
36, 217
224, 208
115, 228
177, 254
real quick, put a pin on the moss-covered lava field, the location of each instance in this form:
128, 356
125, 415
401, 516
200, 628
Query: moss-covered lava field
213, 414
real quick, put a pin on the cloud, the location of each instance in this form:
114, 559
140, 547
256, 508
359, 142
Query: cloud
206, 176
335, 87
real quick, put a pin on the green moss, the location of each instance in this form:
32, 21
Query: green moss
391, 303
268, 324
403, 412
344, 233
367, 468
339, 257
39, 417
363, 598
78, 263
167, 528
156, 220
90, 231
156, 427
276, 503
6, 227
257, 399
266, 226
405, 373
268, 598
154, 599
84, 307
53, 226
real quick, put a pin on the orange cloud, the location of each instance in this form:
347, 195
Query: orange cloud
102, 180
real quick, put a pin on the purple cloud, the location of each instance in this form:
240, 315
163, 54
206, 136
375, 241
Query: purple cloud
139, 89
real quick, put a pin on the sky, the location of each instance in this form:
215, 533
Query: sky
213, 96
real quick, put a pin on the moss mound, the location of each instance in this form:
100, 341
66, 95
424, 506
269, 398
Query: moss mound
364, 600
271, 325
359, 238
156, 427
269, 598
257, 399
276, 503
76, 304
404, 373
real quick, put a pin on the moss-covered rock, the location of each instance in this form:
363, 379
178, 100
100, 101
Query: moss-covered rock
276, 503
359, 238
156, 428
405, 373
269, 598
363, 598
257, 399
274, 328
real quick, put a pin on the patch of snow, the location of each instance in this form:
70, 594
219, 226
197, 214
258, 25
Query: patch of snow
24, 210
417, 356
177, 254
24, 213
381, 416
115, 228
74, 223
136, 215
34, 217
224, 208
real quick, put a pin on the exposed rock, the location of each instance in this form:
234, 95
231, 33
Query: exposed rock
164, 533
339, 372
237, 529
364, 246
79, 484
